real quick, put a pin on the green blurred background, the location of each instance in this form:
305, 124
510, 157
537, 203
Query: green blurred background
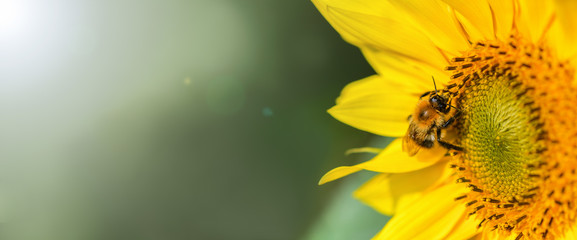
167, 119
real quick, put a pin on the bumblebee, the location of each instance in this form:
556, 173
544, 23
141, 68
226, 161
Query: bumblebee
433, 113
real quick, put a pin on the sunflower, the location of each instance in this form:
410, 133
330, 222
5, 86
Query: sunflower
507, 70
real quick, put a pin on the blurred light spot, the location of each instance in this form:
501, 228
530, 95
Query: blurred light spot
187, 81
267, 112
225, 95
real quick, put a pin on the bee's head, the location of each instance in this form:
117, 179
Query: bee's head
439, 103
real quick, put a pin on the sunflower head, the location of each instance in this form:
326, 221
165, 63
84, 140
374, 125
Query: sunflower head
508, 68
505, 91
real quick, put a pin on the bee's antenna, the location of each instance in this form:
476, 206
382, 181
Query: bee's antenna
434, 84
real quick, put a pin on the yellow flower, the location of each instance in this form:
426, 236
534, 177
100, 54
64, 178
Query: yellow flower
508, 68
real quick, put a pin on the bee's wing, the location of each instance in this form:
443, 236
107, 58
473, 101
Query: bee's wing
409, 145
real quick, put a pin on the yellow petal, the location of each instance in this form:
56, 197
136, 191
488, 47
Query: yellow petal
412, 75
324, 5
338, 173
349, 18
363, 150
477, 237
489, 236
436, 21
394, 160
494, 235
466, 228
375, 106
432, 18
431, 217
387, 35
562, 34
571, 234
370, 7
390, 160
477, 13
467, 28
360, 88
503, 12
510, 237
534, 18
389, 193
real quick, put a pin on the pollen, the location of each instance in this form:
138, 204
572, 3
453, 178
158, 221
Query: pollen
518, 132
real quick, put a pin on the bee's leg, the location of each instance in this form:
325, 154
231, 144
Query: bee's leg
425, 94
449, 146
446, 144
451, 120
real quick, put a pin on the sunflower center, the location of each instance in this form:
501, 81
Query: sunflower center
519, 139
499, 131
